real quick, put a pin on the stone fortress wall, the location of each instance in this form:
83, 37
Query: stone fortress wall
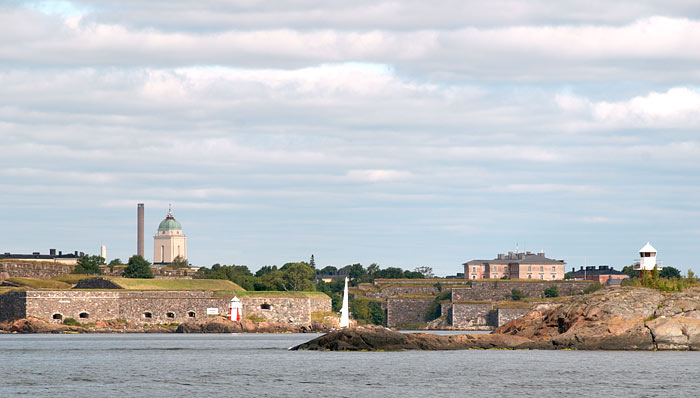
472, 305
48, 269
402, 311
151, 307
501, 290
33, 269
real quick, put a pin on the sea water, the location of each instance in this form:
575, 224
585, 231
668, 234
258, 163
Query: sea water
260, 365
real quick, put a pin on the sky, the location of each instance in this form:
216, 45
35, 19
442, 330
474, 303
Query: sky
403, 133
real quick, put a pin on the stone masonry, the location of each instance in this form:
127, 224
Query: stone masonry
402, 311
501, 290
33, 269
471, 316
152, 306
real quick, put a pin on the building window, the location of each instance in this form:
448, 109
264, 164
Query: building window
495, 275
473, 276
542, 276
529, 276
265, 306
57, 316
473, 269
554, 276
162, 254
170, 315
191, 314
84, 315
541, 268
147, 315
505, 269
554, 269
529, 268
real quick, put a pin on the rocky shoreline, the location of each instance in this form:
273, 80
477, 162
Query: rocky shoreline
208, 325
615, 319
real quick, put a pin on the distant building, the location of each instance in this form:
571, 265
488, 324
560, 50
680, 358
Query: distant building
60, 258
516, 266
169, 242
604, 275
340, 274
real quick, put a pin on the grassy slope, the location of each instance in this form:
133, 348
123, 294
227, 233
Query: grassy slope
40, 283
269, 294
176, 284
73, 278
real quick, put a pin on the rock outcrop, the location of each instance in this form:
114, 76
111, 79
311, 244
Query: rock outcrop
223, 325
616, 319
382, 339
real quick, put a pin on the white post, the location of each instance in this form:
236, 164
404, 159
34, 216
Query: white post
344, 316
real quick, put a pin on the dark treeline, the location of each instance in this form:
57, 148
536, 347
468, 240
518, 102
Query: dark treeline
303, 276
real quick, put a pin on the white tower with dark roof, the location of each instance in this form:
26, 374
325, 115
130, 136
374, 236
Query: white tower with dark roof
647, 255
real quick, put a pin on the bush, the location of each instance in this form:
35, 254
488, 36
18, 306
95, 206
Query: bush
363, 309
654, 281
434, 310
89, 265
516, 294
138, 268
594, 287
551, 291
71, 322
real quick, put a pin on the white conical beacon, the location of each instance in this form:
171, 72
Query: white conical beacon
344, 316
235, 309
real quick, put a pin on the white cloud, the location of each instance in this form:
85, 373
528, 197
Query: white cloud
676, 107
378, 175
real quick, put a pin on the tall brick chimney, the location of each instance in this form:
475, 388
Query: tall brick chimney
139, 230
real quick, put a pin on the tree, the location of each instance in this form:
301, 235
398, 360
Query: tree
312, 262
551, 291
516, 294
412, 275
89, 265
180, 262
389, 273
114, 262
138, 267
271, 281
298, 277
630, 270
427, 272
265, 269
327, 270
372, 270
357, 271
670, 272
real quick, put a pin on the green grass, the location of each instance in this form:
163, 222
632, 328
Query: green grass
255, 318
319, 315
176, 284
73, 278
7, 289
246, 293
40, 283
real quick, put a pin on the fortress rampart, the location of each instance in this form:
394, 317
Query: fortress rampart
152, 307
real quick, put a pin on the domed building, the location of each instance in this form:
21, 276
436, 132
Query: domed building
170, 242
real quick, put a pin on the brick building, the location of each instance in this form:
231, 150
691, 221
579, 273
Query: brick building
604, 274
525, 265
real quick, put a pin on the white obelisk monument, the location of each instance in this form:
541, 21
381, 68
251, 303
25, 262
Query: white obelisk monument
344, 318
